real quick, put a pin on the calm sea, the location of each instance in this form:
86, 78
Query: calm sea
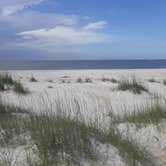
85, 64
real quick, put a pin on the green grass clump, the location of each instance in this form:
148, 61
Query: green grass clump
59, 138
18, 88
33, 79
152, 80
63, 81
79, 80
105, 79
134, 86
164, 82
11, 125
150, 115
6, 78
88, 80
132, 152
113, 80
2, 86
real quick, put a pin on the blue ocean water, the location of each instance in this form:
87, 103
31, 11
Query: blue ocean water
81, 64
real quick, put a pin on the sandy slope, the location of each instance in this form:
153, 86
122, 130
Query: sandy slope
96, 99
97, 90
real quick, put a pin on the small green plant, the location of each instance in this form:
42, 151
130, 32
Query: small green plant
79, 80
51, 81
60, 138
113, 80
131, 151
6, 78
164, 82
133, 85
50, 87
88, 80
152, 80
18, 88
63, 81
33, 79
149, 115
105, 79
2, 86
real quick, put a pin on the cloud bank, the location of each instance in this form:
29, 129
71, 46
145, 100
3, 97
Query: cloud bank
9, 7
49, 31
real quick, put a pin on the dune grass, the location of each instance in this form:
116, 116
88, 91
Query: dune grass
132, 152
19, 88
11, 125
113, 80
2, 86
164, 82
149, 115
62, 140
6, 78
33, 79
134, 86
79, 80
152, 80
59, 138
88, 80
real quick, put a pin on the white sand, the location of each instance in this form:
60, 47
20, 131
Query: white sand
96, 99
93, 93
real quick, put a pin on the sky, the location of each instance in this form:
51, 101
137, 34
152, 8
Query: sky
82, 29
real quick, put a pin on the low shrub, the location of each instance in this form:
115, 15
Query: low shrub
79, 80
6, 78
33, 79
18, 88
164, 82
133, 85
88, 80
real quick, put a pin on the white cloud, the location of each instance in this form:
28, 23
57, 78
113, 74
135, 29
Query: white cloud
95, 25
50, 32
65, 35
9, 7
34, 20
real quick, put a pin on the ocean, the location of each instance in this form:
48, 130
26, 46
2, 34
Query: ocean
81, 64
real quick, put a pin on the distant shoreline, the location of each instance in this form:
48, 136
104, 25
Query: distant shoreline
81, 64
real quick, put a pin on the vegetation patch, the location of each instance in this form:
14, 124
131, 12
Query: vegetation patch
113, 80
152, 80
33, 79
50, 87
51, 81
88, 80
133, 85
61, 140
79, 80
150, 115
2, 86
164, 82
19, 88
6, 78
59, 137
7, 81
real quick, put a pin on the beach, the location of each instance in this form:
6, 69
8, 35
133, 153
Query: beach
98, 96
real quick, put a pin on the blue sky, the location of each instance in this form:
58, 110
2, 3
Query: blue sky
82, 29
